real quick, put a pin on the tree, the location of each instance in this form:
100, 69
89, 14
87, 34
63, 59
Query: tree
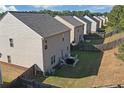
116, 17
68, 13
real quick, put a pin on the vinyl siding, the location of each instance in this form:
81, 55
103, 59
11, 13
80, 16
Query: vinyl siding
73, 33
27, 48
93, 24
55, 45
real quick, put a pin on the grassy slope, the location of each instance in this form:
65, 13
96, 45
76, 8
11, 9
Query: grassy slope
114, 37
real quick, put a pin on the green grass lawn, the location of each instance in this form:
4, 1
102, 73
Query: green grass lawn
82, 75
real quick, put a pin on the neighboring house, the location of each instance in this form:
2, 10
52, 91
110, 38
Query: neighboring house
106, 19
97, 23
103, 19
29, 38
93, 24
100, 21
77, 28
87, 24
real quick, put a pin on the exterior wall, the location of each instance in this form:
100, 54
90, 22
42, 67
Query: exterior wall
78, 34
100, 22
68, 25
73, 34
85, 25
103, 20
55, 46
27, 48
106, 19
93, 24
89, 28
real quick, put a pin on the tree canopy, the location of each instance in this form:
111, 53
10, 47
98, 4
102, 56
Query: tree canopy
69, 13
116, 17
1, 14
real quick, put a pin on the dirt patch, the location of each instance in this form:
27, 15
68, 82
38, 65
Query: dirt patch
11, 72
111, 70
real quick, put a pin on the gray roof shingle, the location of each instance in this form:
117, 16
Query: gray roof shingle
84, 19
43, 24
72, 20
94, 19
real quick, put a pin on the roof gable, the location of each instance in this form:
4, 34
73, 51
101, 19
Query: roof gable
72, 20
90, 18
97, 18
43, 24
84, 19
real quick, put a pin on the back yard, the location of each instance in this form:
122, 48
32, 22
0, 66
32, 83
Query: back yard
94, 69
83, 75
114, 37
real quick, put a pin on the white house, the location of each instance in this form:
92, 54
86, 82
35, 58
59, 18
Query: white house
33, 38
87, 24
97, 23
77, 28
100, 21
93, 24
103, 19
106, 19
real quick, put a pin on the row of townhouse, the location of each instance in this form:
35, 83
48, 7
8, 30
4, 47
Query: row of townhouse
29, 38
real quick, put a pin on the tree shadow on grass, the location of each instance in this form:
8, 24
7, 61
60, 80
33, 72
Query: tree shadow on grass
88, 65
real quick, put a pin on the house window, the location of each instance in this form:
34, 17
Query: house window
62, 37
46, 47
9, 59
53, 60
11, 42
45, 44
